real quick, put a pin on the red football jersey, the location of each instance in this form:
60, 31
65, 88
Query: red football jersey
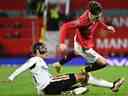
88, 40
68, 30
93, 27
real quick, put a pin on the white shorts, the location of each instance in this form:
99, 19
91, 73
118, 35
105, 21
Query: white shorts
90, 54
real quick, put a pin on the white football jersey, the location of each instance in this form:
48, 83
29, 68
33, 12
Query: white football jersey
39, 70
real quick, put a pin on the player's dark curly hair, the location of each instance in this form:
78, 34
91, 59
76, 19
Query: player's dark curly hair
95, 7
39, 46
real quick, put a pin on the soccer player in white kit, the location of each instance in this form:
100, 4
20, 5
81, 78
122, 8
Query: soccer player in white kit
48, 84
43, 79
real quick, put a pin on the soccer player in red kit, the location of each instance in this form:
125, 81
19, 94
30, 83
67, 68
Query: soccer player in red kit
81, 31
67, 33
84, 29
90, 23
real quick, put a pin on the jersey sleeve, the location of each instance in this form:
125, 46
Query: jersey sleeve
103, 26
22, 68
65, 30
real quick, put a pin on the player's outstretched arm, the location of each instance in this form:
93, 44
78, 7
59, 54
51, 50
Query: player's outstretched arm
21, 69
107, 28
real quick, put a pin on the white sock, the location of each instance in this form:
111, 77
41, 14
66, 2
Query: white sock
99, 82
80, 90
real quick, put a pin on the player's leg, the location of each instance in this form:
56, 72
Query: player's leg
96, 60
80, 87
114, 86
58, 65
64, 83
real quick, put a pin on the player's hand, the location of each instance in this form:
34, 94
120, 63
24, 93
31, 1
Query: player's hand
111, 28
63, 47
62, 50
11, 78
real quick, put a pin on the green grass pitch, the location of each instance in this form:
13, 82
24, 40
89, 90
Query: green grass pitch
23, 85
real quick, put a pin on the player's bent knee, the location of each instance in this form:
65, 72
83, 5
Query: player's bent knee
102, 61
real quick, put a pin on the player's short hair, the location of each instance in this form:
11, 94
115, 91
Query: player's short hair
39, 46
95, 7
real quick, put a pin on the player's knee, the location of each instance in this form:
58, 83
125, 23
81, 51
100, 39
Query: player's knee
102, 61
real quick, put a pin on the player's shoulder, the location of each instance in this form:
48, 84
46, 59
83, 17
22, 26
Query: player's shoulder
69, 24
35, 59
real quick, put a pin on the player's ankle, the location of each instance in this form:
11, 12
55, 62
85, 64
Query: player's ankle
117, 84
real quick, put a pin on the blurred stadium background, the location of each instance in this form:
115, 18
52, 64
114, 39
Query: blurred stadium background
23, 22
